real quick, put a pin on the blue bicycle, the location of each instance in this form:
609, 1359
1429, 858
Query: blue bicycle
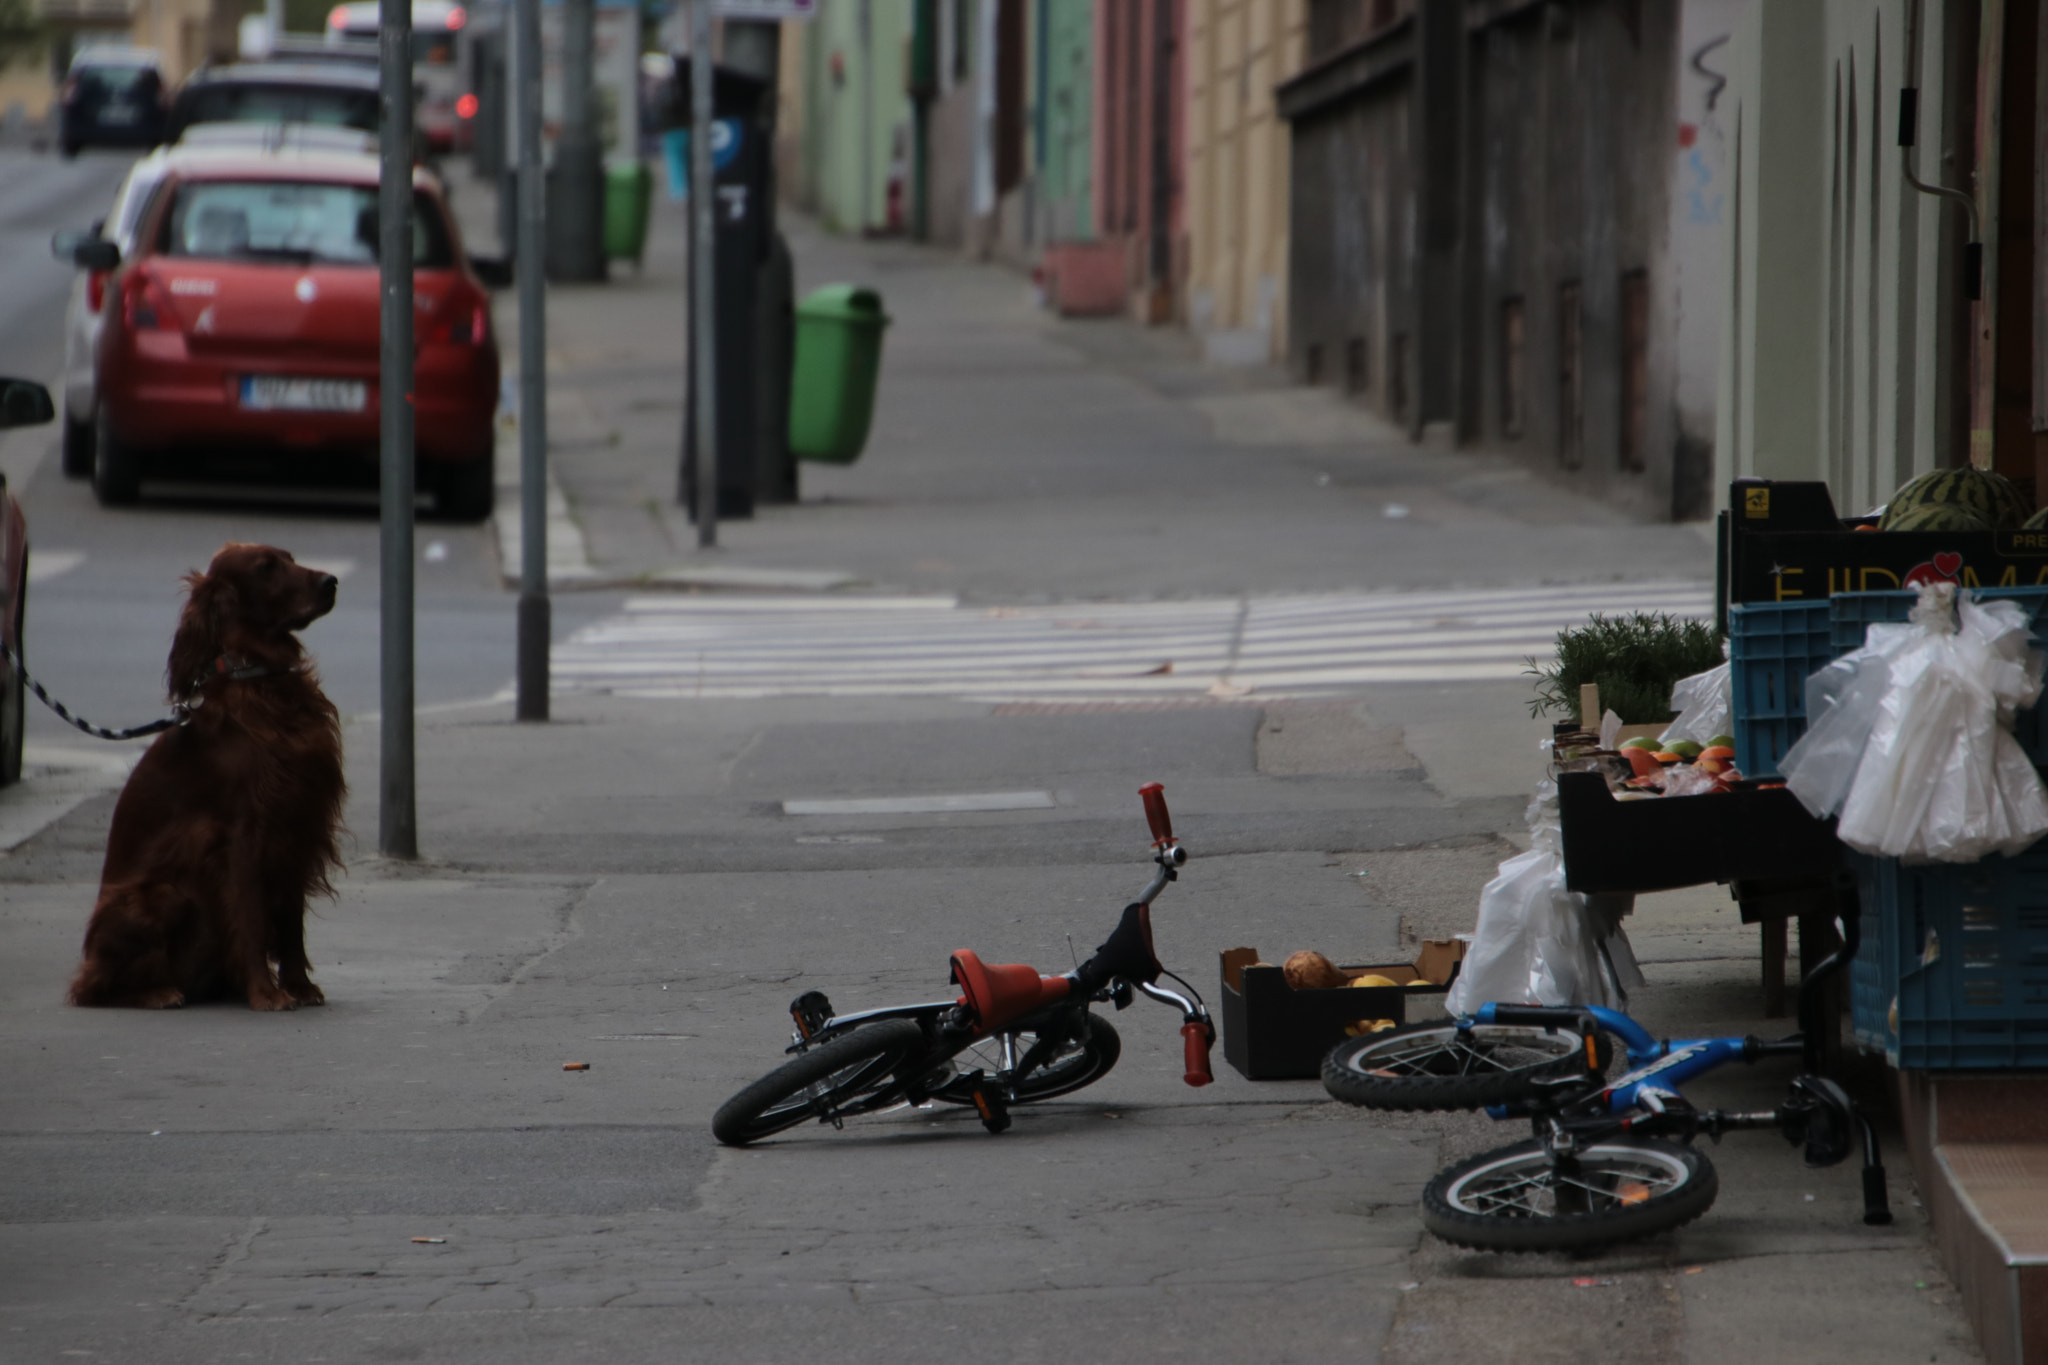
1608, 1161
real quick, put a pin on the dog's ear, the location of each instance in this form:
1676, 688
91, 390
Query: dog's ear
209, 609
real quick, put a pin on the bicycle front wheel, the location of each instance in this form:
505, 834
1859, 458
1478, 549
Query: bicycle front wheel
1076, 1063
851, 1074
1518, 1199
1444, 1066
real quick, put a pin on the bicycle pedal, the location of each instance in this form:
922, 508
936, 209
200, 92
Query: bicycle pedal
993, 1108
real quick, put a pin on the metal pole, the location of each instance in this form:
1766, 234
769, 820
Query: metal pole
703, 280
576, 184
534, 612
398, 826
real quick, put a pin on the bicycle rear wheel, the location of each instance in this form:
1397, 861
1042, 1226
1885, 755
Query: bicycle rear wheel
852, 1074
1517, 1199
1078, 1062
1444, 1066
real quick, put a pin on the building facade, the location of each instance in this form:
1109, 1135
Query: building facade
1854, 354
1237, 174
1495, 208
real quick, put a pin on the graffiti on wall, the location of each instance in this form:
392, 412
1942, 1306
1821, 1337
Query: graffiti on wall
1701, 144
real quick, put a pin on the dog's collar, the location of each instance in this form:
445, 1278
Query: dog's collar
237, 670
234, 668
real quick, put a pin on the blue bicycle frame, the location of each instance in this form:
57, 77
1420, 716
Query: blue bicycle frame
1655, 1066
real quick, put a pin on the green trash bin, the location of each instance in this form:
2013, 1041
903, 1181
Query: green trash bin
628, 197
838, 360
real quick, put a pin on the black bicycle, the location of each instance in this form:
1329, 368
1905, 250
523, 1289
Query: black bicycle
1013, 1036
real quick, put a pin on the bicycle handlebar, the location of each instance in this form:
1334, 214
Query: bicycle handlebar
1199, 1036
1154, 796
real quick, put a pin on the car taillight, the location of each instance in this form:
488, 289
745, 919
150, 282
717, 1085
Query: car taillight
95, 290
338, 17
465, 106
471, 328
146, 305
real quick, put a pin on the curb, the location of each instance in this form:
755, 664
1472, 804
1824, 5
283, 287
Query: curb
568, 561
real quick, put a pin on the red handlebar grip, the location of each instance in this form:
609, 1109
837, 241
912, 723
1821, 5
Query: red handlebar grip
1198, 1038
1154, 796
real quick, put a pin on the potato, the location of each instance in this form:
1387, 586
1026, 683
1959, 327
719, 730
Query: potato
1311, 971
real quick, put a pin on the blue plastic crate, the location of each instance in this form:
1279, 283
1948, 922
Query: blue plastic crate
1772, 648
1971, 956
1850, 612
1874, 974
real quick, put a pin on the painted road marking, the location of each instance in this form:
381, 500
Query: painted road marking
920, 805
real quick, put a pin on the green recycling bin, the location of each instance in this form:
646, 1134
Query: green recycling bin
838, 360
628, 196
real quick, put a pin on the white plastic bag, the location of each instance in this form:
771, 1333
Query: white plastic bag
1704, 705
1538, 943
1920, 720
1843, 701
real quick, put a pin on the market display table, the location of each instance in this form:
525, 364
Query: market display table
1777, 859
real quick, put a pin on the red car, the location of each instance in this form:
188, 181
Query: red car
243, 332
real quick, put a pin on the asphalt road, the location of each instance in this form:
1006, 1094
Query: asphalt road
105, 583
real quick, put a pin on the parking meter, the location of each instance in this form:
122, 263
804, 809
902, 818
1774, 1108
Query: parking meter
743, 214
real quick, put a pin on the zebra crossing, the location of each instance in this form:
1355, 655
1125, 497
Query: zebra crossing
681, 647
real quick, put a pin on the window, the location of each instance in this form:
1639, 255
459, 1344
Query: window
237, 103
964, 12
1397, 376
1357, 378
293, 222
1571, 417
1635, 369
1514, 392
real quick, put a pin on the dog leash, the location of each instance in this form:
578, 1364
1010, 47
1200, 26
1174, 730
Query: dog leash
182, 715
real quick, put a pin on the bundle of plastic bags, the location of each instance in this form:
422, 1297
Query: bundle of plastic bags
1909, 739
1703, 705
1538, 943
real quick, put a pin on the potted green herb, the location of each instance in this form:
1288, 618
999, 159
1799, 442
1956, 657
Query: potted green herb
1634, 660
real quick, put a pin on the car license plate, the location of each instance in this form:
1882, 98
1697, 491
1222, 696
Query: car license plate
117, 113
269, 393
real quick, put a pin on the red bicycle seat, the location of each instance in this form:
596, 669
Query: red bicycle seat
1000, 993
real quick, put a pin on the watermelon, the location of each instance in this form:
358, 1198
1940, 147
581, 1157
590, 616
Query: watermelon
1934, 516
1991, 496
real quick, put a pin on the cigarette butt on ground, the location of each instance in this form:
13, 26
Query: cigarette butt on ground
436, 1241
575, 1066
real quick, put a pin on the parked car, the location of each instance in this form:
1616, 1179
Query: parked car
240, 330
82, 315
111, 97
436, 70
338, 94
23, 403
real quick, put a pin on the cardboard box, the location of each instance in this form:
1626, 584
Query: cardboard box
1273, 1032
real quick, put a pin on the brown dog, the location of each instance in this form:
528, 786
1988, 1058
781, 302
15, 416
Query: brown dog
229, 821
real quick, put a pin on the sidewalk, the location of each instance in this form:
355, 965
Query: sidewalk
959, 493
989, 423
410, 1171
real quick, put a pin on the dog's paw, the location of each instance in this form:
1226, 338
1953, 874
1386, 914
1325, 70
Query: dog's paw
271, 998
308, 994
168, 998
